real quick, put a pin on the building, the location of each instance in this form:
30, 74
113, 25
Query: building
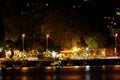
113, 24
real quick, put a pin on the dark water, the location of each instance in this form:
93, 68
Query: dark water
62, 73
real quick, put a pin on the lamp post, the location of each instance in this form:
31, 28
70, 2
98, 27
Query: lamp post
47, 36
23, 36
116, 35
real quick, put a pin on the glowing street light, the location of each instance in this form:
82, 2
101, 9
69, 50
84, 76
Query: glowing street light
23, 36
116, 35
47, 36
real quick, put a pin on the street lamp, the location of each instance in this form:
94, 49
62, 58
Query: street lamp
23, 36
116, 35
47, 36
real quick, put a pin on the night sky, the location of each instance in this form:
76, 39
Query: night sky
94, 10
76, 16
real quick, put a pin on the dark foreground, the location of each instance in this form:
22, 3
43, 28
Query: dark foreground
97, 69
110, 72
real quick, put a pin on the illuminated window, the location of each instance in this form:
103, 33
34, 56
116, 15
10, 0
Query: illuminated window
118, 13
46, 4
114, 23
74, 6
85, 0
105, 17
108, 17
111, 22
28, 4
117, 9
113, 18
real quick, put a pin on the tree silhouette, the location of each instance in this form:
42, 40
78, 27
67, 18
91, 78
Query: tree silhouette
96, 40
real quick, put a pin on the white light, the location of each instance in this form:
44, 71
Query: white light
53, 54
116, 35
87, 68
46, 4
87, 48
76, 66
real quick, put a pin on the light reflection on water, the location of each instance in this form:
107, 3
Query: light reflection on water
63, 73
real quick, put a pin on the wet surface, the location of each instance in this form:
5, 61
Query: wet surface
62, 73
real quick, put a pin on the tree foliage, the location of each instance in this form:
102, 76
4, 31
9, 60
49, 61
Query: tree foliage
64, 25
96, 40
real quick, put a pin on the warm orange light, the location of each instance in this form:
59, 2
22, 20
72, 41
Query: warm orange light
23, 35
47, 35
118, 13
66, 51
74, 49
116, 34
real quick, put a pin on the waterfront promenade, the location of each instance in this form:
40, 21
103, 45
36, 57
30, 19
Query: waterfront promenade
67, 62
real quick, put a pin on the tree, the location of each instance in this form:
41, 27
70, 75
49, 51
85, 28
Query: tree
82, 43
96, 40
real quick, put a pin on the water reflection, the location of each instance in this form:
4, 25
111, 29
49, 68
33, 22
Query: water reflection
87, 68
87, 74
62, 73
